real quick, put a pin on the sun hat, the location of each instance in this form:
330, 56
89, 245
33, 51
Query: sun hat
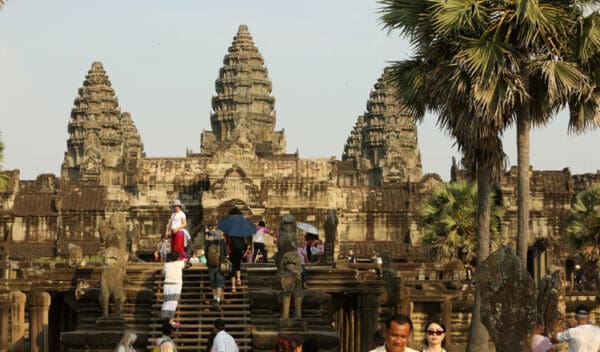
177, 203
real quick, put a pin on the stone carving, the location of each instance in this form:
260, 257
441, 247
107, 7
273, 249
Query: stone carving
289, 268
244, 110
551, 305
75, 255
111, 280
114, 231
331, 223
383, 143
100, 132
507, 300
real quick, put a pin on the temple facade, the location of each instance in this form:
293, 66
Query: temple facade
376, 190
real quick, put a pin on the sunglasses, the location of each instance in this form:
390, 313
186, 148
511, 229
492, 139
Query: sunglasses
435, 332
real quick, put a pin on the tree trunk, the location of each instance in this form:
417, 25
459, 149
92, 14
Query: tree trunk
478, 334
523, 183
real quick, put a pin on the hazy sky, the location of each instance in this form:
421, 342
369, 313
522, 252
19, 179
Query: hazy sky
163, 58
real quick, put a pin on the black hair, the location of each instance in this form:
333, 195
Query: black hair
167, 328
172, 256
399, 319
310, 345
219, 324
261, 223
427, 328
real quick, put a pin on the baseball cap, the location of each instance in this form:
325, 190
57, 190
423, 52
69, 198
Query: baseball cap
582, 309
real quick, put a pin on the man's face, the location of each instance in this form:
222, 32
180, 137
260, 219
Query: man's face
396, 337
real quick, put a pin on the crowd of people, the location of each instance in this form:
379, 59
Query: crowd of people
223, 255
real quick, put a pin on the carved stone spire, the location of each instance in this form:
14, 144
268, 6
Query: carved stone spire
243, 106
101, 138
384, 140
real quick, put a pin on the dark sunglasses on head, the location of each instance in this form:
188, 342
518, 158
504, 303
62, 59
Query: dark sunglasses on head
435, 332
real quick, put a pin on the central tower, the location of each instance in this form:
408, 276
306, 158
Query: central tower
243, 109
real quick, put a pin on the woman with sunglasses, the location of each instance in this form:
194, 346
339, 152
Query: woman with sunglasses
435, 334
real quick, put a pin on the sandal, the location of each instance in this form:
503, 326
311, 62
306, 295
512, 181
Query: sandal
239, 282
233, 290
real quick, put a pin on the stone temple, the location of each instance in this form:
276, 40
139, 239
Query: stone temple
48, 303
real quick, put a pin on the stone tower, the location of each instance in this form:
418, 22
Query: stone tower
243, 109
383, 144
104, 145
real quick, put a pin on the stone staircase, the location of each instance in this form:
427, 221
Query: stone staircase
196, 311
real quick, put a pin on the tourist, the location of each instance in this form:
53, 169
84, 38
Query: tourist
201, 256
162, 249
126, 343
351, 258
173, 281
187, 239
310, 345
210, 341
194, 258
175, 227
396, 334
237, 247
580, 279
287, 344
165, 343
216, 253
223, 342
584, 337
539, 342
301, 250
249, 255
435, 337
258, 242
210, 233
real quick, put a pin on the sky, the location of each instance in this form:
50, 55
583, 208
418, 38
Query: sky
163, 58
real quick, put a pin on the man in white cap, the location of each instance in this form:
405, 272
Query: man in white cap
584, 337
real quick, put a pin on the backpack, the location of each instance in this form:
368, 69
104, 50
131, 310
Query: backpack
156, 348
213, 257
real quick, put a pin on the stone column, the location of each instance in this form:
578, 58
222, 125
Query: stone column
447, 319
4, 328
17, 319
39, 306
367, 306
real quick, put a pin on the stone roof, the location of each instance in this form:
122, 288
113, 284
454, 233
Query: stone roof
34, 204
79, 196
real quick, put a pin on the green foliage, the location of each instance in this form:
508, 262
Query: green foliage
449, 220
583, 224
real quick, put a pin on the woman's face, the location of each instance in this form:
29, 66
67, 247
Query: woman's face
435, 334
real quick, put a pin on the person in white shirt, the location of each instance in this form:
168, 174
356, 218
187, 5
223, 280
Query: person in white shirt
223, 342
584, 337
173, 271
396, 334
177, 223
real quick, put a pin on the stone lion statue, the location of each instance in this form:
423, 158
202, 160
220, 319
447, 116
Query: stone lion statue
289, 267
75, 255
111, 280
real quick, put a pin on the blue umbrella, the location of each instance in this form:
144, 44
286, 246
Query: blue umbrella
237, 226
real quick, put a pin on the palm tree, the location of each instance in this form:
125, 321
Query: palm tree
583, 225
546, 49
437, 79
449, 220
483, 65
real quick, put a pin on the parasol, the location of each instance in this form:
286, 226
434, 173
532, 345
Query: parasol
237, 226
307, 227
